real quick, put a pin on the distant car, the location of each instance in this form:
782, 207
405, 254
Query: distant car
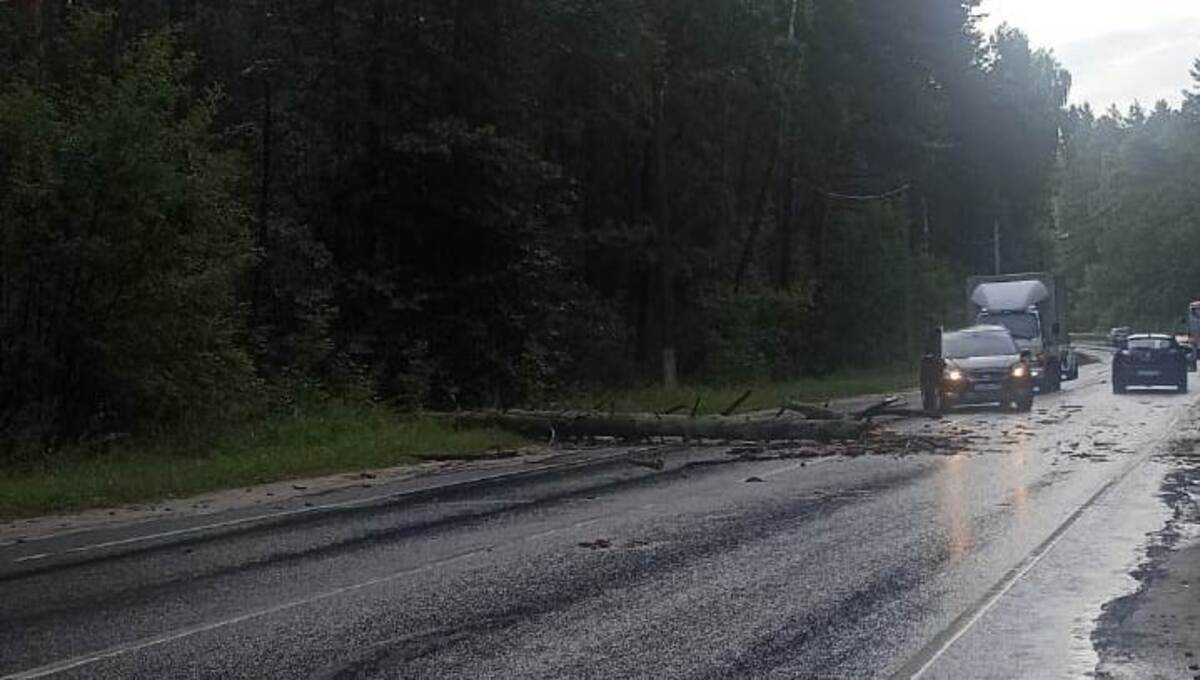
1118, 335
977, 365
1185, 341
1150, 360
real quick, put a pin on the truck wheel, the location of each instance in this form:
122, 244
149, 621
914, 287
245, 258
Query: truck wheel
1118, 386
1025, 404
1183, 384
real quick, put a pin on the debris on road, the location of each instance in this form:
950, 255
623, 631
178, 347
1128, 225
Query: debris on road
651, 462
598, 544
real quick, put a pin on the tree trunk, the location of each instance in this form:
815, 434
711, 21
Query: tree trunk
755, 225
785, 205
662, 218
725, 428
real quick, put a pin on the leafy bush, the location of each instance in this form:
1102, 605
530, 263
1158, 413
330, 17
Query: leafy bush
122, 241
755, 336
457, 249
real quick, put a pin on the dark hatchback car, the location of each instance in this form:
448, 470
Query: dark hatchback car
977, 365
1150, 360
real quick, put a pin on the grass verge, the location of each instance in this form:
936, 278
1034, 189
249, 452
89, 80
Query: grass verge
316, 438
715, 399
311, 440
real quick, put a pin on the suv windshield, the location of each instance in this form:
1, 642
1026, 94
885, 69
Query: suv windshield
1024, 326
963, 345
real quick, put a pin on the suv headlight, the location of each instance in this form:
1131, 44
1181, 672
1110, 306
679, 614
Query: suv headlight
1020, 371
954, 375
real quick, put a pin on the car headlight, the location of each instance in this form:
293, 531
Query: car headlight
1020, 371
954, 375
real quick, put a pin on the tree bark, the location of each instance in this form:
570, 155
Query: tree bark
638, 426
662, 218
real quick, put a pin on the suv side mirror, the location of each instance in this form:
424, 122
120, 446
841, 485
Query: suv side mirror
1026, 354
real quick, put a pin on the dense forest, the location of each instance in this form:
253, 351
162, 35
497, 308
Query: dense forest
1127, 213
447, 203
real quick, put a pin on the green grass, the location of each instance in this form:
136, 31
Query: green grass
327, 437
715, 399
320, 439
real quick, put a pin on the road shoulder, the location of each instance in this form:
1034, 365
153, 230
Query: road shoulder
1155, 631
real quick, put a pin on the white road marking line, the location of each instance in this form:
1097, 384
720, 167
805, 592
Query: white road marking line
32, 558
490, 501
207, 527
221, 525
146, 643
290, 513
920, 664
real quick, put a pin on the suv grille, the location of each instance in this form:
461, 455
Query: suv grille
989, 375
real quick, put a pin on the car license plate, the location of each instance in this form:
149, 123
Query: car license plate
987, 387
1147, 374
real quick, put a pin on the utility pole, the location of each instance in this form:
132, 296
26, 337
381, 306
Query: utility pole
996, 245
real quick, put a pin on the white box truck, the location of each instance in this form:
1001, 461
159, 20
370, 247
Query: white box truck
1034, 310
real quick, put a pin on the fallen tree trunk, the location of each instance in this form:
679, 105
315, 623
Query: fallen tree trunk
905, 413
638, 426
812, 411
876, 409
809, 411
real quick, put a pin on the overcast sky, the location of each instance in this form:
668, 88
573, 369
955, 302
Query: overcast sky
1116, 50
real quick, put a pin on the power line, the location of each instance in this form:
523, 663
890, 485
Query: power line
855, 197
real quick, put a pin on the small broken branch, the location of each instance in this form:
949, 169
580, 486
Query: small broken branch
740, 400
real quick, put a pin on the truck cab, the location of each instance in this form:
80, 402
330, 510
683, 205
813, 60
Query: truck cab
1193, 322
1026, 329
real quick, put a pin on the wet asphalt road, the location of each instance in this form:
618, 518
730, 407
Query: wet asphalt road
992, 563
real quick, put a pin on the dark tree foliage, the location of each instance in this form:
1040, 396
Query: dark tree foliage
1127, 226
469, 203
122, 237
